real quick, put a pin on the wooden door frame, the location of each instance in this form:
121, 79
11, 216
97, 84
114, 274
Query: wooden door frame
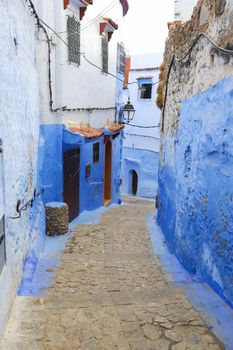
78, 177
107, 141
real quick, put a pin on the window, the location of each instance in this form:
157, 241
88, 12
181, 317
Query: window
96, 152
145, 91
88, 170
121, 58
73, 32
104, 54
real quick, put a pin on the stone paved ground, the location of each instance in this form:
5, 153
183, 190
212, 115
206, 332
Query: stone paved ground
110, 293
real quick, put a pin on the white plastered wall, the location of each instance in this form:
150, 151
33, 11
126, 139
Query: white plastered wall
78, 86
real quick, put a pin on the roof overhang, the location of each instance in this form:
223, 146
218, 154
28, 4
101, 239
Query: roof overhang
108, 26
79, 3
78, 133
113, 127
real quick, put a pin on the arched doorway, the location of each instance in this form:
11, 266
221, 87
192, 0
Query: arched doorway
108, 173
134, 182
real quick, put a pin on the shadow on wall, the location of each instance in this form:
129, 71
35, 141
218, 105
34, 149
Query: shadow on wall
133, 183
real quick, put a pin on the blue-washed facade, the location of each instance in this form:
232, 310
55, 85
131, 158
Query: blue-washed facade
58, 140
140, 156
196, 161
78, 119
81, 116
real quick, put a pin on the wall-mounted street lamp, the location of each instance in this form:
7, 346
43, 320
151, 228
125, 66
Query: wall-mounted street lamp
128, 111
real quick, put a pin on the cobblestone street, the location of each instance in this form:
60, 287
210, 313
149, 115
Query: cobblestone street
110, 292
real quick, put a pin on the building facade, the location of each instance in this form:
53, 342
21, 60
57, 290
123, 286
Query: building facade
195, 175
141, 138
80, 113
59, 139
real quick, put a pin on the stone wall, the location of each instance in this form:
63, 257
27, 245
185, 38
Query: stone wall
206, 66
19, 130
195, 176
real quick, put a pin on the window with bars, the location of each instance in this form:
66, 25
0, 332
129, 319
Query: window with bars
73, 32
104, 54
96, 152
145, 92
121, 58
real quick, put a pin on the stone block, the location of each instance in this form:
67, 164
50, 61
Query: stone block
57, 218
219, 7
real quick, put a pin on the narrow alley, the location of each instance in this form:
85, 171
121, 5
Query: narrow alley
116, 175
110, 292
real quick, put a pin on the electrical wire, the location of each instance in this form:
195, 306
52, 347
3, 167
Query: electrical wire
39, 25
146, 136
142, 126
101, 14
95, 19
53, 31
111, 74
63, 108
173, 60
93, 64
182, 62
195, 42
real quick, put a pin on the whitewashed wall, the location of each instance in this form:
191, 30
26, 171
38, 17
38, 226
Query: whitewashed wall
184, 9
141, 145
83, 86
147, 114
19, 124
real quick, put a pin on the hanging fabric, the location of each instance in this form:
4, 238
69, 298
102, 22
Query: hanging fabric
125, 6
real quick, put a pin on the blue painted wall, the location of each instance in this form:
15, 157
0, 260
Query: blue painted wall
50, 163
196, 187
58, 140
54, 140
145, 163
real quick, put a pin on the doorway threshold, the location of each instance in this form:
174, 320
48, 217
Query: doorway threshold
107, 202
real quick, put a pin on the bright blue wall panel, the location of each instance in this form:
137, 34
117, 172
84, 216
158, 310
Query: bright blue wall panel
53, 142
196, 187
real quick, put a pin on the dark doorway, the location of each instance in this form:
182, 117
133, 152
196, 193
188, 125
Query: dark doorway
71, 181
108, 173
134, 182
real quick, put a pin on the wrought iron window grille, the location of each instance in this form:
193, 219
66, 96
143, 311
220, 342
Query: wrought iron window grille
73, 33
104, 54
121, 58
